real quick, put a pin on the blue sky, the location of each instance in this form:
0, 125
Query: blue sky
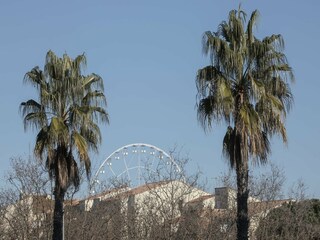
148, 53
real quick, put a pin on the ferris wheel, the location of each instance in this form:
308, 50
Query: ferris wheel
133, 165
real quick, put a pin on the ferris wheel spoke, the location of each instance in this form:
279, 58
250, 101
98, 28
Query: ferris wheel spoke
139, 159
126, 166
114, 174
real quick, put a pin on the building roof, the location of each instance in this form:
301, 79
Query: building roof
201, 198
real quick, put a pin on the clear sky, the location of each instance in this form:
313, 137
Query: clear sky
148, 53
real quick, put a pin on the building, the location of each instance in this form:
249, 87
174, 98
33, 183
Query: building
165, 210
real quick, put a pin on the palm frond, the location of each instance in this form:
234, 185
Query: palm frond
251, 23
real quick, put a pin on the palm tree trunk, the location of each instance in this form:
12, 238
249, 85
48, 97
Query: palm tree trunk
242, 200
242, 169
58, 214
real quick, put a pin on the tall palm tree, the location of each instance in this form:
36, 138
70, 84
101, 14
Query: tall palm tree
246, 86
66, 114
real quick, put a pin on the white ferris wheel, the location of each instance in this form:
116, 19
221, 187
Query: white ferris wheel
133, 165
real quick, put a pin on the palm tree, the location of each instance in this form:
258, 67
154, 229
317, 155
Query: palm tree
247, 87
66, 116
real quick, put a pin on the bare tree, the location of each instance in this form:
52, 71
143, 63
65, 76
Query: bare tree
25, 206
294, 220
170, 206
266, 186
160, 209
